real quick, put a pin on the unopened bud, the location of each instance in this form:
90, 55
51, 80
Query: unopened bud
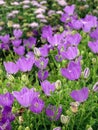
58, 84
65, 119
27, 128
20, 119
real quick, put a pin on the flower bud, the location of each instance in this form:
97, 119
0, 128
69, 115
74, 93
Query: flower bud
86, 73
37, 51
20, 119
95, 87
74, 107
57, 128
58, 84
65, 119
94, 60
5, 90
90, 128
20, 128
24, 77
27, 128
10, 77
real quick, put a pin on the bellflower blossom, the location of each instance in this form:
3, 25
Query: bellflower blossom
73, 71
6, 99
11, 67
69, 9
80, 95
37, 105
43, 74
93, 46
25, 96
47, 31
47, 87
25, 64
41, 63
17, 33
19, 50
94, 34
53, 112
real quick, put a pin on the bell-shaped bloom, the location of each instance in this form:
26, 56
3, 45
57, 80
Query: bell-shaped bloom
73, 71
53, 112
93, 46
37, 105
19, 50
89, 22
69, 9
25, 64
42, 75
25, 96
17, 33
11, 67
94, 34
80, 95
47, 31
71, 53
76, 24
44, 50
6, 99
16, 42
74, 39
41, 63
30, 42
5, 125
47, 87
55, 40
7, 114
5, 39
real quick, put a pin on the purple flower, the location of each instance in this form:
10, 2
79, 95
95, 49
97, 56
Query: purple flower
7, 114
11, 67
93, 46
76, 24
70, 54
47, 31
20, 50
17, 33
37, 105
94, 34
74, 39
47, 87
16, 42
53, 112
5, 39
5, 125
69, 9
73, 71
41, 63
55, 40
4, 46
25, 64
42, 75
25, 96
80, 95
6, 99
89, 22
95, 87
44, 50
30, 42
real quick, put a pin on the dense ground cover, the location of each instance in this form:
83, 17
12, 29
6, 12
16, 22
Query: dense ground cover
48, 65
